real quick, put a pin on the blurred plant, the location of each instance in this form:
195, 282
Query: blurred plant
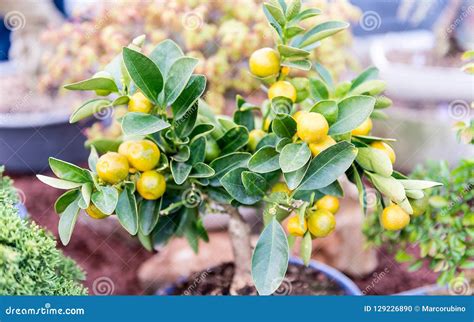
443, 227
7, 191
465, 130
219, 33
30, 264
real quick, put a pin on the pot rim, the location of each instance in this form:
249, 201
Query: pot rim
346, 284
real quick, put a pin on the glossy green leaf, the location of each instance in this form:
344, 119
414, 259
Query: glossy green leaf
245, 118
93, 158
86, 192
292, 52
65, 200
318, 89
353, 111
254, 183
293, 9
95, 83
165, 54
371, 87
68, 171
201, 170
293, 179
232, 182
284, 127
303, 64
328, 166
322, 31
190, 94
105, 199
307, 13
127, 212
144, 72
67, 221
294, 156
178, 76
324, 74
264, 160
180, 171
306, 248
185, 125
268, 140
419, 184
270, 259
368, 74
233, 139
276, 13
228, 162
103, 145
141, 124
89, 108
334, 189
58, 183
388, 186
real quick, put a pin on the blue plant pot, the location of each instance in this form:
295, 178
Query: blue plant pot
344, 282
424, 290
22, 212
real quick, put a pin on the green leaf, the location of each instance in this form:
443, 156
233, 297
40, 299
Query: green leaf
273, 22
306, 248
92, 84
334, 189
105, 199
328, 166
185, 125
244, 118
368, 74
144, 72
284, 127
180, 171
293, 9
403, 257
375, 160
276, 13
294, 156
293, 179
270, 259
292, 52
307, 13
322, 31
292, 31
353, 111
415, 194
369, 139
148, 215
188, 97
388, 186
127, 212
140, 124
201, 170
58, 183
228, 162
232, 182
103, 145
178, 76
65, 200
67, 221
89, 108
370, 87
318, 89
324, 74
121, 100
86, 192
254, 183
201, 130
303, 64
419, 184
68, 171
234, 139
264, 160
93, 158
327, 108
165, 54
198, 150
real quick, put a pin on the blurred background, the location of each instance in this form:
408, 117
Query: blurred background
416, 45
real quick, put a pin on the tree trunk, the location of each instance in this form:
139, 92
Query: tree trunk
239, 233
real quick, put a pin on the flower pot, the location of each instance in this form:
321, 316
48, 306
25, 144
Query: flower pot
22, 211
28, 140
426, 290
346, 285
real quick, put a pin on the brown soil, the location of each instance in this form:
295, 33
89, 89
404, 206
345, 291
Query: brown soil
111, 253
299, 280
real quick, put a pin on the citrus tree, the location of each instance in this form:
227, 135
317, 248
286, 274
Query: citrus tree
178, 160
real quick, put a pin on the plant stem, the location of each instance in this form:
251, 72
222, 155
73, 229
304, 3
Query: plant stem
239, 233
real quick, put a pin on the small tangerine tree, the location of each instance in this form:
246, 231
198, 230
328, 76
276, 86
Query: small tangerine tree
178, 159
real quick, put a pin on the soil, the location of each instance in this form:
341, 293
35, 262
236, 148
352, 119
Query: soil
110, 253
299, 280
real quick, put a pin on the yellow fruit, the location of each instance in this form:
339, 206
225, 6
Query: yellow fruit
385, 148
317, 148
266, 124
212, 150
94, 212
285, 70
328, 203
312, 128
264, 62
139, 103
255, 136
112, 167
124, 147
298, 114
282, 88
394, 218
151, 185
281, 187
419, 206
143, 155
295, 228
364, 128
102, 74
321, 223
